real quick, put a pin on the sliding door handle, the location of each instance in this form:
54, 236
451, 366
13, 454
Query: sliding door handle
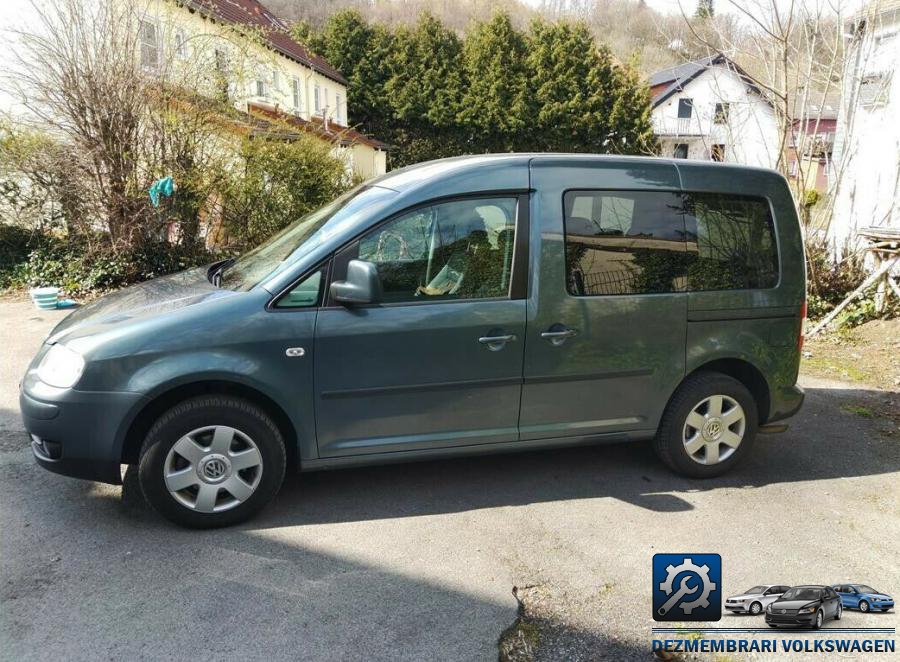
558, 334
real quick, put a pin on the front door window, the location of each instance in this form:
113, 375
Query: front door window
453, 250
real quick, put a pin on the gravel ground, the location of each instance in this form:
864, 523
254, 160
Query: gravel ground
419, 561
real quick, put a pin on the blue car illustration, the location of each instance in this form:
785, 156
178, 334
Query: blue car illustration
863, 597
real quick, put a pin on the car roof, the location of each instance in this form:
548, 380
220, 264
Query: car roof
419, 174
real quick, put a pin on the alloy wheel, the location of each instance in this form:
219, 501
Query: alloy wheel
864, 606
213, 469
755, 608
714, 429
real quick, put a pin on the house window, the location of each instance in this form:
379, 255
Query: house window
317, 98
181, 51
717, 153
681, 151
721, 113
685, 108
260, 84
149, 45
337, 108
874, 89
793, 168
295, 90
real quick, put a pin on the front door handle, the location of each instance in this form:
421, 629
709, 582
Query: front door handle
496, 343
558, 334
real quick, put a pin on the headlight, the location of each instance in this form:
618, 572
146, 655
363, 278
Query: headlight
61, 367
807, 610
743, 600
769, 609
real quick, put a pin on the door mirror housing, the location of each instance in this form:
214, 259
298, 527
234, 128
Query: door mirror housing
362, 285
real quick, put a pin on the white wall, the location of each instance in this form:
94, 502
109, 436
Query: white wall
751, 135
867, 145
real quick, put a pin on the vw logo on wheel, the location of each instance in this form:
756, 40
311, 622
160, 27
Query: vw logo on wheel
214, 468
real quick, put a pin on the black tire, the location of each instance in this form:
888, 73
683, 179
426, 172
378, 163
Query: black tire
668, 442
758, 607
839, 613
863, 606
818, 621
771, 625
198, 412
885, 609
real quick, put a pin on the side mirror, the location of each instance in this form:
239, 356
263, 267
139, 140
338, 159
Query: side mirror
361, 286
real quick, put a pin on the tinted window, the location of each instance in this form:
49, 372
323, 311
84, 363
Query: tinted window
732, 242
454, 250
624, 242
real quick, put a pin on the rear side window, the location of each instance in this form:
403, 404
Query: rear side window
624, 242
731, 240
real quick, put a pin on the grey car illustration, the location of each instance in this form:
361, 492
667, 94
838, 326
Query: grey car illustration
756, 599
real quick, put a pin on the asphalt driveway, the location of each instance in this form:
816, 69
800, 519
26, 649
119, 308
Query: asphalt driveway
418, 561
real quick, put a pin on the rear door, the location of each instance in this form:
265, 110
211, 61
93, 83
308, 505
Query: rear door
607, 313
438, 361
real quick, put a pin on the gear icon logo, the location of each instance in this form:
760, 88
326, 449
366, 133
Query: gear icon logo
687, 587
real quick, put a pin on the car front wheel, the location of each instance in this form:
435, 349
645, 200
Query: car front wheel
820, 618
755, 608
863, 606
708, 426
212, 461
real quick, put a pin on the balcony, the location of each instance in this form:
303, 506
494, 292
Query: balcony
680, 127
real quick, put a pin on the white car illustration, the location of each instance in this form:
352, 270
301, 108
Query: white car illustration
756, 599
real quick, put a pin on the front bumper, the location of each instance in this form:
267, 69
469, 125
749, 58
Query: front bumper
882, 605
738, 607
77, 433
790, 619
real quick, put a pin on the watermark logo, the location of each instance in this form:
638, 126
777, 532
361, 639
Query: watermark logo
687, 587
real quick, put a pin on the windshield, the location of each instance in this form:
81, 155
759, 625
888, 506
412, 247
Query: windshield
302, 236
802, 594
756, 589
862, 588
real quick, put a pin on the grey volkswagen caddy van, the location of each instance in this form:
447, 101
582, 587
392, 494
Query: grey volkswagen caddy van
461, 306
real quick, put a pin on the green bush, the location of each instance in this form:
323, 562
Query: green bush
82, 267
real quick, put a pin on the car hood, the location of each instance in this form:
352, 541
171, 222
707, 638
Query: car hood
880, 596
791, 604
154, 297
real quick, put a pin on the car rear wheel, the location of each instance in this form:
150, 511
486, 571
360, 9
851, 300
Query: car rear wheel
839, 613
863, 606
708, 426
212, 461
755, 608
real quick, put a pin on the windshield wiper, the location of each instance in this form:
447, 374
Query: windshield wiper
214, 274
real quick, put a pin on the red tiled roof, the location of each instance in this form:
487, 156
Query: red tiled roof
251, 13
333, 132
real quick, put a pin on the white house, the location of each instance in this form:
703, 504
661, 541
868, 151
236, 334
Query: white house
710, 110
867, 144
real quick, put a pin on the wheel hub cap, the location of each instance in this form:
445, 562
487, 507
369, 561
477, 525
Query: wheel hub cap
714, 429
213, 469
